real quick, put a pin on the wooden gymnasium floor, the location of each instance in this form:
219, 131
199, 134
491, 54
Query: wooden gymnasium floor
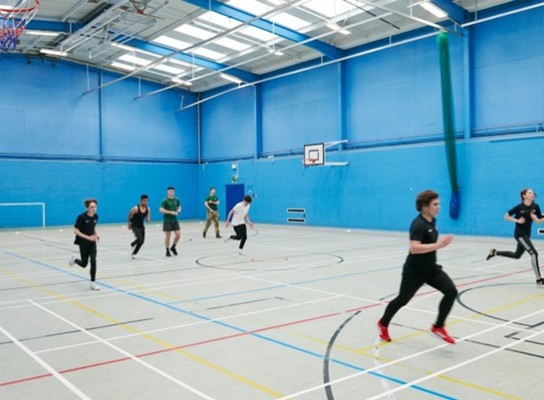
294, 318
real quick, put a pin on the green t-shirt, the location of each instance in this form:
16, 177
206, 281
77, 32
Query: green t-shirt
170, 205
213, 206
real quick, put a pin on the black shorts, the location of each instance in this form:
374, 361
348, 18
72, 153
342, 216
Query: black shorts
170, 226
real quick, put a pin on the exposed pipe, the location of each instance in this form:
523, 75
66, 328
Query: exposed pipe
362, 53
505, 14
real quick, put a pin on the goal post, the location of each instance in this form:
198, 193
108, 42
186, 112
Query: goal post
17, 215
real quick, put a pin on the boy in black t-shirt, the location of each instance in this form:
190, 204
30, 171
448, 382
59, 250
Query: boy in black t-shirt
421, 267
86, 239
136, 218
523, 216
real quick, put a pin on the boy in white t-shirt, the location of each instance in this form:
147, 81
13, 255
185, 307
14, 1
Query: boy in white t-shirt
240, 217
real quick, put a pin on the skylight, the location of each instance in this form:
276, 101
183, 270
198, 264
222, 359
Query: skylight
207, 53
232, 44
220, 20
123, 66
169, 69
193, 31
258, 33
328, 8
251, 6
134, 60
173, 43
289, 21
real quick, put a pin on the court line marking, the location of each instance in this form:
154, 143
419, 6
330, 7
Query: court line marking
417, 381
241, 331
127, 354
46, 366
153, 339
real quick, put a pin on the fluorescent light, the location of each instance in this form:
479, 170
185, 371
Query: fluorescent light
230, 78
54, 52
132, 49
433, 9
169, 69
338, 28
40, 33
276, 52
123, 66
180, 82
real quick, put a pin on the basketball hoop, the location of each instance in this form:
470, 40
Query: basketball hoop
13, 21
310, 162
139, 5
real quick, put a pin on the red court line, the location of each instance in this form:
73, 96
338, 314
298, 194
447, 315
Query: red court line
235, 335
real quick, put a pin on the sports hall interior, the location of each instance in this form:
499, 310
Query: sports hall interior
295, 317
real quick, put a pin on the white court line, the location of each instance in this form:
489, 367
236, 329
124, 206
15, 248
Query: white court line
138, 360
201, 322
46, 366
427, 377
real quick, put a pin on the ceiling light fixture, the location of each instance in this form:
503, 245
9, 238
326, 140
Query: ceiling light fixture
337, 28
41, 33
54, 52
433, 9
181, 82
230, 78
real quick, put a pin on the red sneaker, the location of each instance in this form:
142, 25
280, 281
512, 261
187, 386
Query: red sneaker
442, 334
383, 332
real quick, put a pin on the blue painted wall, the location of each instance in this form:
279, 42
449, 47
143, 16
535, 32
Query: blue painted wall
60, 145
393, 97
384, 100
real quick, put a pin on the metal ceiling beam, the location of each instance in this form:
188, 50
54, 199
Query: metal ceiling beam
68, 28
286, 33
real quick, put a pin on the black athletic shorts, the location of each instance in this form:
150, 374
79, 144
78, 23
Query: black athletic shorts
170, 226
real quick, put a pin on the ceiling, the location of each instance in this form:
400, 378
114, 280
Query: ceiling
200, 45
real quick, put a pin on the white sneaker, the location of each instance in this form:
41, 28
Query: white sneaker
226, 239
94, 286
241, 252
72, 261
133, 256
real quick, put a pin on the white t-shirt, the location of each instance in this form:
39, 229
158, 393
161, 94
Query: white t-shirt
240, 212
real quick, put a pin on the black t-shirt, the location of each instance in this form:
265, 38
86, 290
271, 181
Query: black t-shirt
137, 219
521, 210
425, 232
85, 224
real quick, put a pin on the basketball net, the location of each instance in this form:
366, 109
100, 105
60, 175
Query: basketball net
13, 21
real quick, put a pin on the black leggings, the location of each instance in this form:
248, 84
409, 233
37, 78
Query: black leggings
87, 251
412, 280
524, 245
139, 232
241, 234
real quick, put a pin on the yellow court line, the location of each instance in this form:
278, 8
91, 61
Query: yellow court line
151, 338
412, 368
475, 316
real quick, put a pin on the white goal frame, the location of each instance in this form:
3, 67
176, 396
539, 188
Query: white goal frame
42, 205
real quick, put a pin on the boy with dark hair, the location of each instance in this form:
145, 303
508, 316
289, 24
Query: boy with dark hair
421, 267
240, 217
86, 239
211, 204
170, 209
136, 217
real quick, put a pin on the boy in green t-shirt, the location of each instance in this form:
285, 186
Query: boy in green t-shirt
170, 209
211, 204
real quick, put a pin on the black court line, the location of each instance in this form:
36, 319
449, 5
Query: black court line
327, 357
79, 331
245, 302
463, 304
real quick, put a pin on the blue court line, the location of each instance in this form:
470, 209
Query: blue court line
281, 285
237, 329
